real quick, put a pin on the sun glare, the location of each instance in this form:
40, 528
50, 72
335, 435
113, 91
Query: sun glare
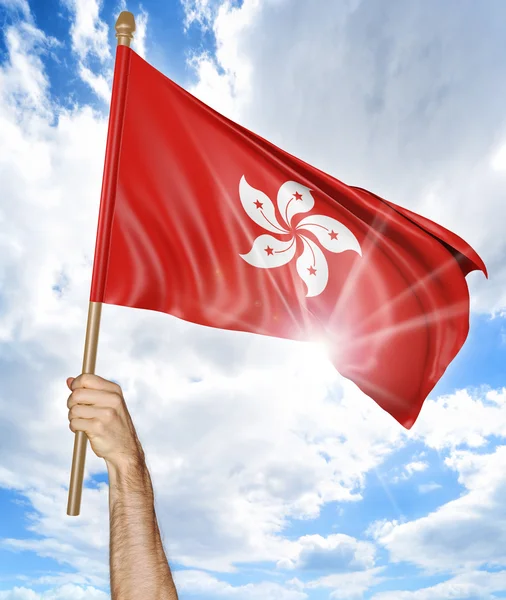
315, 357
499, 159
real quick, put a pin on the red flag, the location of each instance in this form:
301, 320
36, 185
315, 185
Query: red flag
202, 219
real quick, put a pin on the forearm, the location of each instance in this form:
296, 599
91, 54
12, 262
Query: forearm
139, 567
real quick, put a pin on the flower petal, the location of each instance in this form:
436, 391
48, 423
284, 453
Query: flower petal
268, 252
331, 234
313, 268
294, 198
259, 207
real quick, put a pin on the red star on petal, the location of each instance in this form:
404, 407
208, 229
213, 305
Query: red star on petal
269, 251
333, 235
312, 271
258, 204
298, 196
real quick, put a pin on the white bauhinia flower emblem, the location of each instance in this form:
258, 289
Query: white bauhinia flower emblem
269, 252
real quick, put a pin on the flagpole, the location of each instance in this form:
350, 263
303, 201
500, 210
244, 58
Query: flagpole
125, 27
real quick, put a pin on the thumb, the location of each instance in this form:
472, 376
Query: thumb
69, 382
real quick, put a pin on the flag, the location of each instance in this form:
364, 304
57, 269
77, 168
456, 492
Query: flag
202, 219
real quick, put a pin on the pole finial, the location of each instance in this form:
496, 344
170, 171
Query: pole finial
125, 27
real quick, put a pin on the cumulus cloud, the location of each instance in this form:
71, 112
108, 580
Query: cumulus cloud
24, 85
200, 12
224, 78
348, 586
476, 585
89, 34
465, 533
18, 5
335, 553
466, 417
63, 592
198, 582
408, 470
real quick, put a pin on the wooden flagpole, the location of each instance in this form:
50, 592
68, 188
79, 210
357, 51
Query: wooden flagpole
125, 27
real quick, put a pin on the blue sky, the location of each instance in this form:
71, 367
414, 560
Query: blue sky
269, 485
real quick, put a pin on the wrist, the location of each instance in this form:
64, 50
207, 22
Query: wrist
127, 469
125, 462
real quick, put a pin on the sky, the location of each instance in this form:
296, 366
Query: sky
270, 483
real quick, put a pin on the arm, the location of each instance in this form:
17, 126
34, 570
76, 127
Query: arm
138, 565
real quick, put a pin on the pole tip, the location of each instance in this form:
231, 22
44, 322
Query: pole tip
125, 27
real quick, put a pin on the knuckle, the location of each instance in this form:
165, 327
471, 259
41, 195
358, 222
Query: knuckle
74, 411
109, 413
87, 379
76, 383
116, 400
78, 394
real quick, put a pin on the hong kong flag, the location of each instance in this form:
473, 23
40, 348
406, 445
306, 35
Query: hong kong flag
202, 219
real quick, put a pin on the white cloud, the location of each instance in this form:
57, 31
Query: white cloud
88, 32
141, 25
199, 11
335, 553
224, 79
465, 533
62, 593
18, 593
198, 582
253, 480
465, 417
498, 161
98, 83
476, 585
425, 488
20, 5
90, 41
348, 586
416, 466
23, 83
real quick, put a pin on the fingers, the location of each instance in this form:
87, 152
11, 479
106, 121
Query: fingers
94, 397
88, 388
90, 419
89, 426
102, 413
93, 382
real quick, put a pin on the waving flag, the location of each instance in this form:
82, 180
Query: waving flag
204, 220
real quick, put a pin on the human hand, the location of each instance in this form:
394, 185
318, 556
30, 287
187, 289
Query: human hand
97, 407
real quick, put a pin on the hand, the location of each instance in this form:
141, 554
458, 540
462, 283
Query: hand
97, 407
